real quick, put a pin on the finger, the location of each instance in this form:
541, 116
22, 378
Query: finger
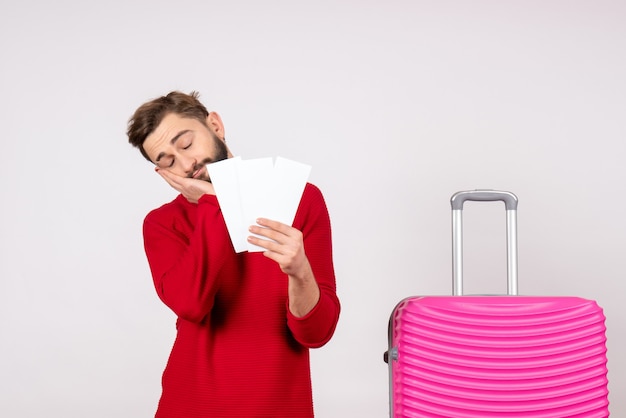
275, 225
273, 235
269, 246
175, 180
263, 231
273, 240
283, 230
180, 184
165, 175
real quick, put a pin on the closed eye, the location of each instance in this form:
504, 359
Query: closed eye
166, 162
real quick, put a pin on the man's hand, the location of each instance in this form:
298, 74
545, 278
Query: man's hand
284, 244
192, 189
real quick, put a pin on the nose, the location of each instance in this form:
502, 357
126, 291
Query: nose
188, 165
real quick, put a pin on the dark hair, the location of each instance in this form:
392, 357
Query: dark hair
149, 115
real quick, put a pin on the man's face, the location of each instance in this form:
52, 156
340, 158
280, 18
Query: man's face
183, 146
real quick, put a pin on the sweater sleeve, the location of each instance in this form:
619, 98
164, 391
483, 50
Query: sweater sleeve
185, 265
317, 327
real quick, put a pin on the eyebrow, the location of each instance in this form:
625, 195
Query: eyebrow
172, 141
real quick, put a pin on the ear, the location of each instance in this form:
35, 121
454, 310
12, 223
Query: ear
214, 122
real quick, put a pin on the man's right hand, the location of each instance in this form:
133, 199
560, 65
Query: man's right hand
192, 189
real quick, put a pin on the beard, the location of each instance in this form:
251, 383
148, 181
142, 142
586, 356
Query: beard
221, 154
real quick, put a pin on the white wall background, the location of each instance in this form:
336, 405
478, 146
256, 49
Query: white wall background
396, 104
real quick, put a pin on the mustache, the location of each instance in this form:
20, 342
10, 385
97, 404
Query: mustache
202, 163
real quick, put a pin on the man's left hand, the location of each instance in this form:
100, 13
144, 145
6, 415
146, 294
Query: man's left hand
284, 244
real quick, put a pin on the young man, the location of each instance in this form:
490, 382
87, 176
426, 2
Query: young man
246, 320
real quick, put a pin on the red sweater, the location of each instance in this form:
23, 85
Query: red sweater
238, 351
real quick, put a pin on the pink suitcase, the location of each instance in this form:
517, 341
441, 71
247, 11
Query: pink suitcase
496, 356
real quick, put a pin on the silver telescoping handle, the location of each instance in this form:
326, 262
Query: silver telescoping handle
510, 202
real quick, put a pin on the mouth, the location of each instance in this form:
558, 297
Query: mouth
199, 172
